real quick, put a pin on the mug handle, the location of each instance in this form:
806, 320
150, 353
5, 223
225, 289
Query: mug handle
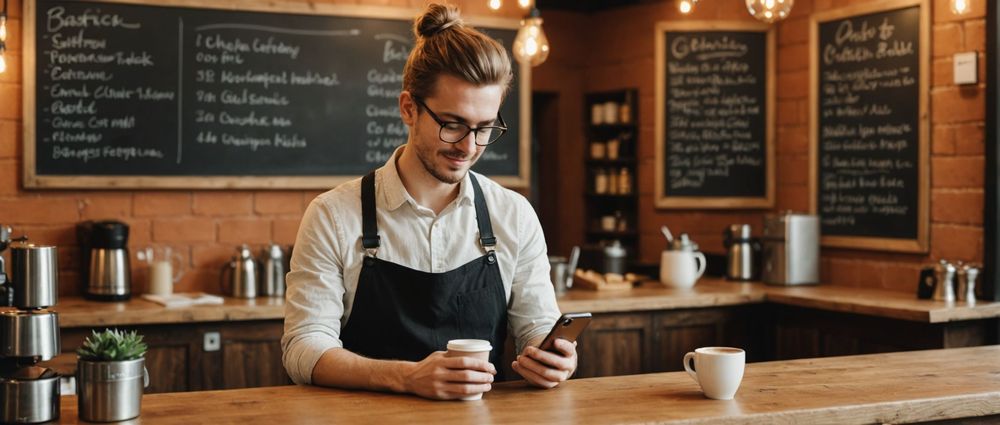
687, 366
701, 263
176, 259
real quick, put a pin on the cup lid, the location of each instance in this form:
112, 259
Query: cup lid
469, 345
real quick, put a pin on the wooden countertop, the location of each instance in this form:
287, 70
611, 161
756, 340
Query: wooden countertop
78, 312
709, 292
880, 388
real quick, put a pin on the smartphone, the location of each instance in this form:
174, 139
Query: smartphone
568, 327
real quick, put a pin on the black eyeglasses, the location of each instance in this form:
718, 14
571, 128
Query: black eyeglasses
454, 131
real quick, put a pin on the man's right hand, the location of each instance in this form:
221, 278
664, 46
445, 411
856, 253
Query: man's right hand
447, 378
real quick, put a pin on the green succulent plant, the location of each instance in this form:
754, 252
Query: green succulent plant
112, 345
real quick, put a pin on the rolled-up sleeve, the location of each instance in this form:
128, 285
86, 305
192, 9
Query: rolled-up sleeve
533, 308
314, 296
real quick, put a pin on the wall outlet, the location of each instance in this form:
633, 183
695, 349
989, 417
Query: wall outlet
213, 341
966, 68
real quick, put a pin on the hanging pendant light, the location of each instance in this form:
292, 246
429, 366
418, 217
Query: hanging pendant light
960, 7
3, 37
770, 10
686, 6
531, 46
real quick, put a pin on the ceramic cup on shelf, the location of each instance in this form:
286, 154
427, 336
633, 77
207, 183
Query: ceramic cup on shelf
681, 269
718, 370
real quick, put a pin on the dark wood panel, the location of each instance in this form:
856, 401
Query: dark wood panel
615, 344
166, 365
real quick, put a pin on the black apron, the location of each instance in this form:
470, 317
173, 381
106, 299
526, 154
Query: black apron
405, 314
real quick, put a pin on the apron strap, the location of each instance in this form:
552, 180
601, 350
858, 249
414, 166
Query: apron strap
369, 225
486, 238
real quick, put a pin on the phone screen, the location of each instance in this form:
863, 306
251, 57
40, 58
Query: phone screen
568, 327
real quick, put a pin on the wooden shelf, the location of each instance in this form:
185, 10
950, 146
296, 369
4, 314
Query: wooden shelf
607, 195
619, 161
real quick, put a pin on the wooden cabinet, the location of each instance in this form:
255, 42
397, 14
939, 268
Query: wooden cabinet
644, 342
248, 355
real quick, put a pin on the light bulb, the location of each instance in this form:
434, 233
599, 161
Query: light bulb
685, 6
531, 46
960, 7
495, 4
525, 4
3, 63
773, 10
3, 28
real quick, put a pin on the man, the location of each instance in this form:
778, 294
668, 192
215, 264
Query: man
388, 268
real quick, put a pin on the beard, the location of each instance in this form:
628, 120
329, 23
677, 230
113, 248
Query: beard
445, 173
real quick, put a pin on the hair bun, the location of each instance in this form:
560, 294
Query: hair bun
437, 18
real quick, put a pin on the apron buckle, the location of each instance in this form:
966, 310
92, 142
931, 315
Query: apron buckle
372, 252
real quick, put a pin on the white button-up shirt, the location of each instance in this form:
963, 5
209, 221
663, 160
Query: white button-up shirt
327, 258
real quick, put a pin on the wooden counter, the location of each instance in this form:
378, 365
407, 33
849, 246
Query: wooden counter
709, 292
879, 388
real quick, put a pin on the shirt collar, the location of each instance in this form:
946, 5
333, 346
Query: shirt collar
394, 194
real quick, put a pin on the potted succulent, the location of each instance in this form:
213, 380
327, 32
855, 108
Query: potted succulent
110, 376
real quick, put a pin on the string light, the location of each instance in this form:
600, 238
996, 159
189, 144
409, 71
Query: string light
770, 10
960, 7
495, 4
525, 4
531, 46
686, 6
3, 37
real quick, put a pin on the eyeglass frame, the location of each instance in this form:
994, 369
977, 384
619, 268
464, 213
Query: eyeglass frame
502, 127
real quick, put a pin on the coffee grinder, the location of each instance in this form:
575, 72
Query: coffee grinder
29, 334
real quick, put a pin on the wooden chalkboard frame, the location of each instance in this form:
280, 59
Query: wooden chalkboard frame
669, 202
922, 243
34, 181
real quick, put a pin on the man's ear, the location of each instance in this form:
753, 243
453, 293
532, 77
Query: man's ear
407, 108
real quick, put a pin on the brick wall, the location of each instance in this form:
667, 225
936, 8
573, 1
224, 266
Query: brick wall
621, 55
204, 226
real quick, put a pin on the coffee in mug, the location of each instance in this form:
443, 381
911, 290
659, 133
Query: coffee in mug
476, 348
719, 370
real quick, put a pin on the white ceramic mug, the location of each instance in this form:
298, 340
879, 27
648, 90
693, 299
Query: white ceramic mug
719, 370
681, 269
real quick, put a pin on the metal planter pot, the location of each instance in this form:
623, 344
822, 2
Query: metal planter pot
110, 391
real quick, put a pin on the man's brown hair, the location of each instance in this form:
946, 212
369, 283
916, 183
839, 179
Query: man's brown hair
445, 45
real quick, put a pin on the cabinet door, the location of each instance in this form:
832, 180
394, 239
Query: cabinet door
250, 356
680, 331
615, 344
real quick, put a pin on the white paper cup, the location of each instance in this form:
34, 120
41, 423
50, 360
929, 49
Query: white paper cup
475, 348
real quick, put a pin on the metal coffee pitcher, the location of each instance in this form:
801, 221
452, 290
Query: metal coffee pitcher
242, 273
938, 283
272, 280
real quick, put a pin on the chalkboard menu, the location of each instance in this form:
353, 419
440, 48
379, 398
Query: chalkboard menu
201, 97
869, 129
714, 116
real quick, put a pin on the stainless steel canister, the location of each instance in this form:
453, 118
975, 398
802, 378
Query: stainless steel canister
110, 391
29, 334
272, 282
29, 395
33, 275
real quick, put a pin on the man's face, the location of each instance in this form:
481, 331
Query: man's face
453, 99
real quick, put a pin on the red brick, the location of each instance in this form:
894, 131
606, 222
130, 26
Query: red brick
278, 203
947, 39
140, 232
248, 230
14, 10
285, 230
70, 283
211, 255
790, 112
10, 177
14, 38
954, 242
975, 35
901, 276
793, 169
943, 140
184, 230
793, 140
957, 206
957, 172
793, 57
792, 198
793, 31
13, 73
10, 107
308, 196
58, 235
10, 139
153, 204
223, 203
969, 139
942, 74
109, 206
958, 104
48, 210
647, 179
793, 85
200, 280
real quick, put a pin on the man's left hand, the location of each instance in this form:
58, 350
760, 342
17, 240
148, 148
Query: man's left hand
547, 369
